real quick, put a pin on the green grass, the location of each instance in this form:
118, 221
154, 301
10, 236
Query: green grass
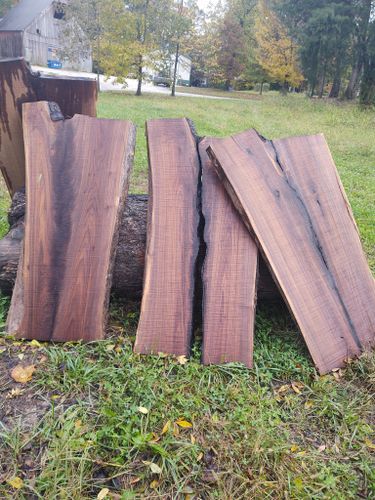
277, 431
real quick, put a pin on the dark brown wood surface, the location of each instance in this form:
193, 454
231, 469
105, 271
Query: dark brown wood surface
229, 274
15, 89
166, 319
19, 85
130, 254
76, 178
309, 164
275, 211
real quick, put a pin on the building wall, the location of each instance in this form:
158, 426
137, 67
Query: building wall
11, 44
41, 39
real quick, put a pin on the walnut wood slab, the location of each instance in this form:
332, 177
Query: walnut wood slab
309, 163
166, 318
15, 89
229, 274
288, 233
76, 182
19, 85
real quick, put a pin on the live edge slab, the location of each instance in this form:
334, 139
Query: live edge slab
294, 205
166, 319
77, 175
229, 274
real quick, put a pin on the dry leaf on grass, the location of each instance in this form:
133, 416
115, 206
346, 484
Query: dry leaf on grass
182, 360
143, 410
15, 482
184, 423
22, 374
102, 493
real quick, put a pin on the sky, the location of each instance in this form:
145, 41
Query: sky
203, 4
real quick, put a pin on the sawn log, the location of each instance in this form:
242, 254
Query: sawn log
129, 263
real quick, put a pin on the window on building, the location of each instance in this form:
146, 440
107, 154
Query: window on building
59, 12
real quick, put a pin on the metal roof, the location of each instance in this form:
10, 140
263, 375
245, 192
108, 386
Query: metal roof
23, 14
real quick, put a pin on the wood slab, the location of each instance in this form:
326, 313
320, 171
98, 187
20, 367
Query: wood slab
19, 85
77, 175
309, 163
166, 319
288, 233
15, 89
229, 274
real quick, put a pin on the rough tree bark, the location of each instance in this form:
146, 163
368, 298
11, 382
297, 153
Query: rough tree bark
129, 263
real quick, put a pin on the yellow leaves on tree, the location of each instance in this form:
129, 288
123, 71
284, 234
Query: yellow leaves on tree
276, 52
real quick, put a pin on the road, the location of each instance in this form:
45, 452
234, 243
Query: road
108, 84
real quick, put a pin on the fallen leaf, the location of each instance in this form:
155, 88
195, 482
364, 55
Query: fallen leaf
135, 480
22, 374
199, 457
78, 424
294, 448
15, 482
297, 386
370, 444
321, 448
282, 389
102, 493
154, 484
14, 393
184, 423
309, 404
155, 469
35, 343
20, 356
110, 347
166, 427
143, 410
192, 439
182, 360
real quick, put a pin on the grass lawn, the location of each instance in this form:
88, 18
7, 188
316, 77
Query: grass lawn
98, 416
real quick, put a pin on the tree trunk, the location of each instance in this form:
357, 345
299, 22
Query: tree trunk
129, 263
140, 75
261, 88
173, 93
367, 96
353, 84
322, 85
335, 90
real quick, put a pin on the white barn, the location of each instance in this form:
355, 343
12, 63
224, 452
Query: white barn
31, 30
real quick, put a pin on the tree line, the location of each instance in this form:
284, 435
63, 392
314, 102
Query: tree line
325, 48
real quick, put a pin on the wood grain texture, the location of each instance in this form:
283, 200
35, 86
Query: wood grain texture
76, 178
19, 85
229, 274
276, 212
130, 253
166, 319
309, 164
15, 89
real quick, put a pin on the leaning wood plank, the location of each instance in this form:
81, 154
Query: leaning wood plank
76, 178
15, 89
229, 274
19, 85
307, 162
165, 323
276, 212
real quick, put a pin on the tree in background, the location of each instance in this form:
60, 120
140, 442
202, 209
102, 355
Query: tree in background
367, 94
276, 51
175, 29
5, 5
231, 54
